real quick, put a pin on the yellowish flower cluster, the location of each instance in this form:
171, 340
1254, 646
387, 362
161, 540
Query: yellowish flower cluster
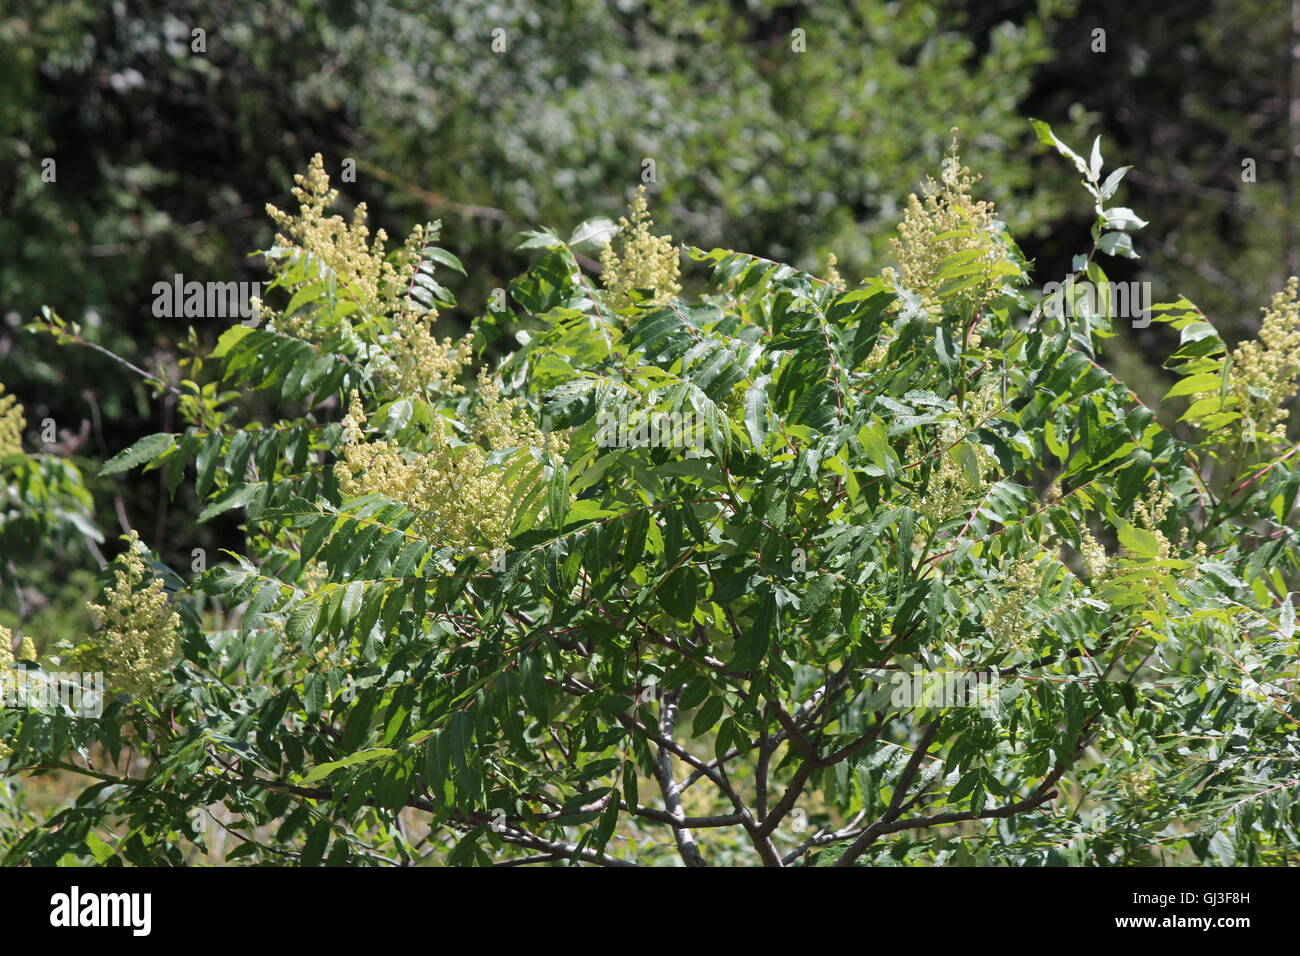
138, 634
948, 489
345, 248
952, 484
646, 261
464, 503
1266, 371
876, 360
946, 221
1139, 783
833, 276
312, 577
1005, 620
504, 422
1149, 511
1095, 560
982, 404
12, 424
6, 662
422, 363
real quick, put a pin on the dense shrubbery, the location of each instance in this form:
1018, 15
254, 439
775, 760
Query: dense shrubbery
467, 626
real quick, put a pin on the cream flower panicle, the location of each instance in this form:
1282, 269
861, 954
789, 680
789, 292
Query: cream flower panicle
833, 277
943, 222
1005, 619
6, 663
345, 248
959, 472
382, 286
1095, 560
12, 424
138, 633
422, 363
947, 491
1149, 512
464, 502
646, 261
1266, 370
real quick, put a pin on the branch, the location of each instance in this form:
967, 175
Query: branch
530, 859
568, 851
762, 844
890, 824
663, 769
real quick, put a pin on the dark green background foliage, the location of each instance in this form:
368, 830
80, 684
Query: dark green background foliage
166, 158
878, 487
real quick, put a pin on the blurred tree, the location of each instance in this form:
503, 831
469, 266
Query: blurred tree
792, 129
1198, 99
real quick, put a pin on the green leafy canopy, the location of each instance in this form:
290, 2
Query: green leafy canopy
690, 655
